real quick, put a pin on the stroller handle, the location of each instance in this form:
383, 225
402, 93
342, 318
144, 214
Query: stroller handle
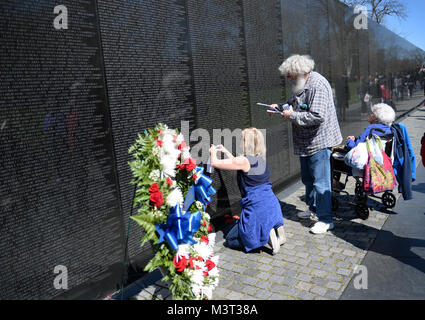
375, 129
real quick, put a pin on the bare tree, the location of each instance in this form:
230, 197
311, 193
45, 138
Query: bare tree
379, 9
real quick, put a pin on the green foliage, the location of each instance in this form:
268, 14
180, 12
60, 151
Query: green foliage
144, 162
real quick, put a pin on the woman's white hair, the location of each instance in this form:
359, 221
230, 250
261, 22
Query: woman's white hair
384, 113
297, 65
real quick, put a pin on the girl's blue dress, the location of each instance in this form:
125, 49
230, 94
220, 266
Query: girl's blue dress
261, 210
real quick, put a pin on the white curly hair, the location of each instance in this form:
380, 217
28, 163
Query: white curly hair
297, 65
384, 113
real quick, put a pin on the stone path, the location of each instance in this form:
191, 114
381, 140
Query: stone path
307, 267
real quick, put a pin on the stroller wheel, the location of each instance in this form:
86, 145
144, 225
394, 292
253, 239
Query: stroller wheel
362, 211
335, 203
389, 200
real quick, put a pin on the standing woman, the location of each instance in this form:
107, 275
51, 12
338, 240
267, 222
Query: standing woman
261, 220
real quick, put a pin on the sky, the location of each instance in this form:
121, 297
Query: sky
413, 28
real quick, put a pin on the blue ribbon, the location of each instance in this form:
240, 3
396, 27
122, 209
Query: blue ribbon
201, 190
179, 228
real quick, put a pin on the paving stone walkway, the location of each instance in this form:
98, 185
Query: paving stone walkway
307, 267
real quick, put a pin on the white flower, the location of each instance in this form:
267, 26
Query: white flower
203, 250
168, 144
156, 151
206, 215
185, 155
175, 197
211, 239
215, 259
179, 139
169, 165
174, 153
198, 205
154, 175
197, 291
197, 277
214, 271
183, 251
199, 264
207, 291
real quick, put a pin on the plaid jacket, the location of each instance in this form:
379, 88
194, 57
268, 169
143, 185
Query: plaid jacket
316, 127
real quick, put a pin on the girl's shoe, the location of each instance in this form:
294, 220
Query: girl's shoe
273, 241
281, 236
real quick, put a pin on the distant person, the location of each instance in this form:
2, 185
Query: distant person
375, 91
342, 96
261, 220
410, 85
423, 149
55, 133
422, 77
398, 83
364, 95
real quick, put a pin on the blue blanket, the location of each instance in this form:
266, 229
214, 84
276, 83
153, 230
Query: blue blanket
261, 212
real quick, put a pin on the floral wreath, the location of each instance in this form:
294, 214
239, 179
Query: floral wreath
172, 195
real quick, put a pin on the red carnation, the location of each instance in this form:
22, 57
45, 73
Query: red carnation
154, 188
182, 146
205, 239
169, 182
205, 274
158, 142
157, 199
204, 223
210, 265
191, 263
191, 259
191, 165
209, 228
181, 264
194, 177
188, 164
161, 132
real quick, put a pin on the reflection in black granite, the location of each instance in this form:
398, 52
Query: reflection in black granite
72, 102
59, 201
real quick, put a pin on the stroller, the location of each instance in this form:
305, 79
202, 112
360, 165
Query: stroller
338, 167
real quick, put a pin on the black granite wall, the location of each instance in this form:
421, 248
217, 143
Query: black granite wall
72, 101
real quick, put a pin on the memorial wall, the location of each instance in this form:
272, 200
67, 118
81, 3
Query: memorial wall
72, 101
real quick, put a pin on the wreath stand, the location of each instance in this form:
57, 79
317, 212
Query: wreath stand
124, 273
124, 266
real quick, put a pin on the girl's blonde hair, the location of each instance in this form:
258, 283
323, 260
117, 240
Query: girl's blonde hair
253, 143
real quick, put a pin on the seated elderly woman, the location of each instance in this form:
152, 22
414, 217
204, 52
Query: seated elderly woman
381, 117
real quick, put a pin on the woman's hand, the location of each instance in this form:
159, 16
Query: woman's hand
351, 138
213, 149
221, 148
